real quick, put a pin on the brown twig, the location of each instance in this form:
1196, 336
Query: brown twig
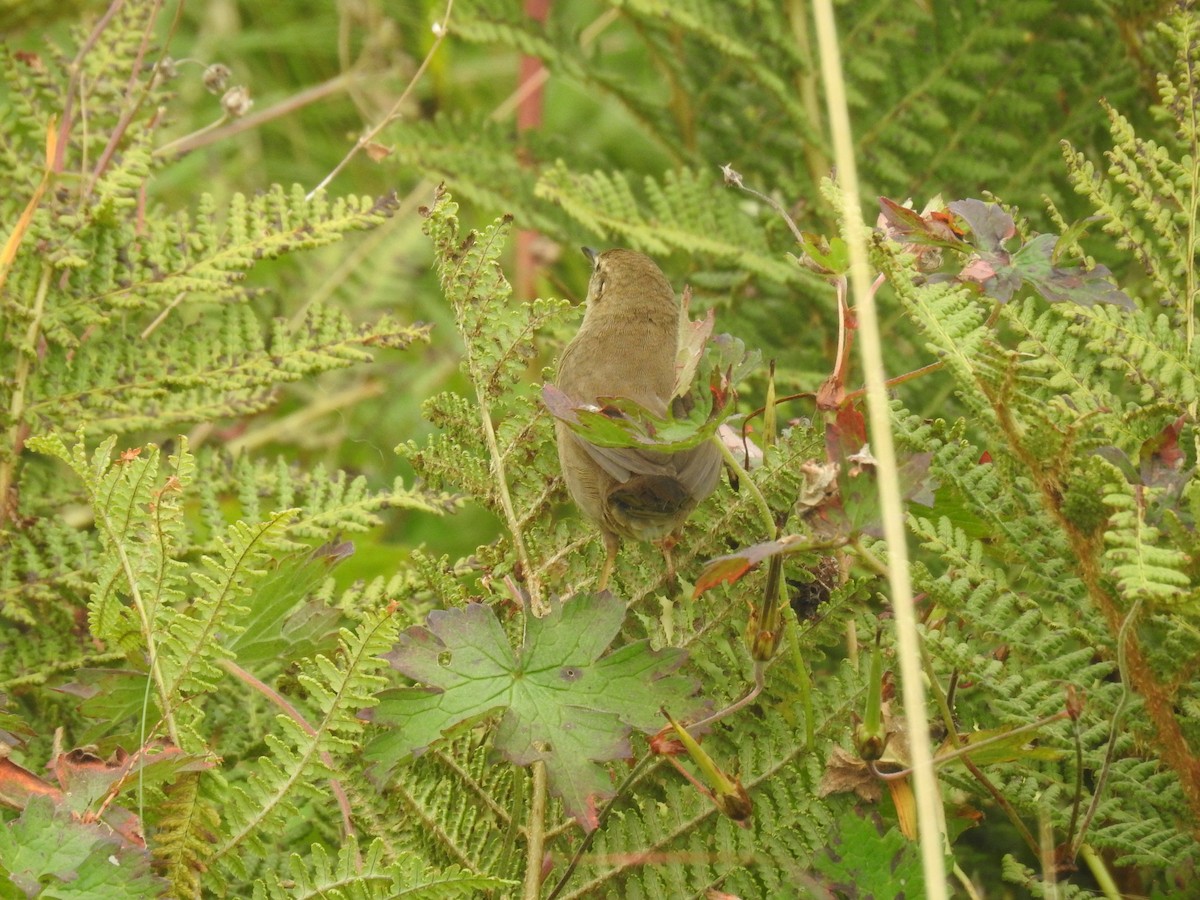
127, 114
64, 127
440, 30
218, 131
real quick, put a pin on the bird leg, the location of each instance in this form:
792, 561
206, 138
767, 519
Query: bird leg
666, 545
612, 544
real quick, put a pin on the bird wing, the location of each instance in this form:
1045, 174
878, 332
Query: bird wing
697, 469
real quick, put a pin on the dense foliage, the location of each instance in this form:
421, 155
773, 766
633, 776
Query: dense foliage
209, 689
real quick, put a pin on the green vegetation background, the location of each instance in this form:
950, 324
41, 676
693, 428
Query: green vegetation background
643, 104
1028, 77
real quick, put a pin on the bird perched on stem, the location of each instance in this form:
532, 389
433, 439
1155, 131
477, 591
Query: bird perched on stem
626, 348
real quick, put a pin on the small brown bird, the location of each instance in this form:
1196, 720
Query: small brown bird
626, 347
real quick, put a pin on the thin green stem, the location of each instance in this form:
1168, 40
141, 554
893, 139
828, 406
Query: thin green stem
441, 29
869, 559
964, 881
939, 696
532, 580
1104, 878
929, 820
16, 405
742, 702
744, 480
535, 834
1114, 728
792, 633
943, 702
213, 133
117, 542
192, 138
975, 746
1078, 798
643, 765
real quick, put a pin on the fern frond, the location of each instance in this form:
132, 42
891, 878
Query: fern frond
338, 688
223, 366
454, 803
190, 652
138, 565
1135, 554
688, 212
1150, 192
499, 343
328, 504
1146, 350
186, 824
952, 321
44, 569
370, 876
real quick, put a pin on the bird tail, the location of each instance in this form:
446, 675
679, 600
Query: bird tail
650, 498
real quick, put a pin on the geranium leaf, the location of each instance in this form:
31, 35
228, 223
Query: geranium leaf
561, 700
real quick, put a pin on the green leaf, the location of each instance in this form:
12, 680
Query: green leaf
697, 413
50, 853
999, 273
859, 509
563, 702
622, 423
826, 256
1035, 265
861, 862
911, 227
990, 226
281, 622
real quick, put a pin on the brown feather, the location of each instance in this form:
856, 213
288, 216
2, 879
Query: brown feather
626, 347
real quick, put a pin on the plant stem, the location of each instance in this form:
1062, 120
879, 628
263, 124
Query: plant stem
965, 881
532, 581
744, 701
760, 502
1100, 872
947, 712
222, 129
974, 747
1114, 728
899, 578
792, 634
16, 407
535, 834
643, 765
296, 716
139, 605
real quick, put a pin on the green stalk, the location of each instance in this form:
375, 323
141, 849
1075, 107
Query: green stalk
535, 835
929, 821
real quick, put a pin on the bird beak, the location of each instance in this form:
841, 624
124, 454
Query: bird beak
590, 254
